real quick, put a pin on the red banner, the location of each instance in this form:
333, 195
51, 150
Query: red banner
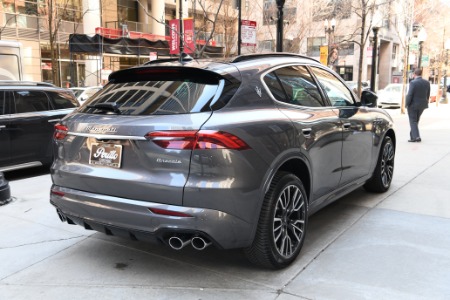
189, 43
174, 41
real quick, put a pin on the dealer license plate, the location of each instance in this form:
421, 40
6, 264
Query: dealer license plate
108, 155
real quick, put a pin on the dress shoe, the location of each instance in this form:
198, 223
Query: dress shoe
417, 140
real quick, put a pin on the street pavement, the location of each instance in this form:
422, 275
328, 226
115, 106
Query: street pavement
394, 245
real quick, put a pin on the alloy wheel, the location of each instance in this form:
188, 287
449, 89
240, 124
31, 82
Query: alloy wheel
289, 221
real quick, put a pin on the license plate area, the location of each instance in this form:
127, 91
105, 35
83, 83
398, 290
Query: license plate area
108, 155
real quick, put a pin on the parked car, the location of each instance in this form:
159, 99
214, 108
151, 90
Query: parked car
84, 93
5, 190
391, 95
28, 113
233, 153
353, 85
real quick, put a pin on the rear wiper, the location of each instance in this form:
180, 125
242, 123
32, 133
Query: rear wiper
108, 106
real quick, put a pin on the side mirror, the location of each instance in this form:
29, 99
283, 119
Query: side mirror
369, 98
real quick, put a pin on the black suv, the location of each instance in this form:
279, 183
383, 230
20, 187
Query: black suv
28, 113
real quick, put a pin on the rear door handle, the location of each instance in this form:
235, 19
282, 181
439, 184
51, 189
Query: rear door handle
2, 126
347, 125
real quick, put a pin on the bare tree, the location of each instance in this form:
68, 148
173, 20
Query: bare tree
55, 12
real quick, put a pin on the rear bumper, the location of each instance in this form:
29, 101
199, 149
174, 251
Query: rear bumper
133, 219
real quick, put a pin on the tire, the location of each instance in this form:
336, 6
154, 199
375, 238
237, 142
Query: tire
384, 170
282, 223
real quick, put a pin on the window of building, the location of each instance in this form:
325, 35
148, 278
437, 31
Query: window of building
267, 45
340, 9
127, 10
313, 45
394, 51
345, 47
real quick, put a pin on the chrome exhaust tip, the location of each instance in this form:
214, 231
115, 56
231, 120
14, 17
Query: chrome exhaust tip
199, 243
178, 243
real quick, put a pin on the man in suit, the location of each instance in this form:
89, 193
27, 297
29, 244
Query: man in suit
416, 102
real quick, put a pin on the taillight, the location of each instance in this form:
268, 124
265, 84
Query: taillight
57, 193
170, 213
190, 140
60, 132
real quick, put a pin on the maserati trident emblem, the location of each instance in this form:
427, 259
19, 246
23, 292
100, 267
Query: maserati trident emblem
258, 91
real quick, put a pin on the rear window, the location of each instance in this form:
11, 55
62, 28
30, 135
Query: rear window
156, 97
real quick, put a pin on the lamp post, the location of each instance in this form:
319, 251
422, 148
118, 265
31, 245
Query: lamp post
373, 73
280, 4
329, 30
239, 27
444, 88
422, 37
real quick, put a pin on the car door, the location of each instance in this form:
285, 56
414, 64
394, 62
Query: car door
29, 128
318, 127
4, 129
357, 124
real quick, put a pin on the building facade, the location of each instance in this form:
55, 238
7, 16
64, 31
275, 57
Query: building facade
303, 32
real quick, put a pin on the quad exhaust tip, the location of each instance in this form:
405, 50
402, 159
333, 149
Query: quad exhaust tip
197, 242
178, 243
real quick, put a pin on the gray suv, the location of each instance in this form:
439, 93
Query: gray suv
233, 153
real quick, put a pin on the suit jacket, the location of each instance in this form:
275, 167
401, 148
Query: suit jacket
418, 94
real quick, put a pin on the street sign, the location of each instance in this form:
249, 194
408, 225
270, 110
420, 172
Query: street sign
425, 61
414, 44
324, 55
248, 33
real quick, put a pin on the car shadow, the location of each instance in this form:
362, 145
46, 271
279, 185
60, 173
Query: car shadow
26, 173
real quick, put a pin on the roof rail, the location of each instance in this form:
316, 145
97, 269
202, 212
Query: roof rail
263, 55
25, 83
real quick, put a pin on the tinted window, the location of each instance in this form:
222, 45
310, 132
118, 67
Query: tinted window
337, 92
30, 101
274, 85
156, 97
299, 86
63, 100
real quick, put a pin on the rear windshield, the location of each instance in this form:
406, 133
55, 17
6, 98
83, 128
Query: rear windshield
155, 97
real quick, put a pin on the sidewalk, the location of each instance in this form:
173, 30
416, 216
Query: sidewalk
364, 246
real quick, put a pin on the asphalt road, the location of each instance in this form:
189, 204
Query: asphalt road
364, 246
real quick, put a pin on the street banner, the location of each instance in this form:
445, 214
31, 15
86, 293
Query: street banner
324, 55
248, 33
174, 41
189, 43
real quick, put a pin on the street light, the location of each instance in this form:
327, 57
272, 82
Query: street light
444, 88
280, 4
329, 30
373, 73
422, 37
